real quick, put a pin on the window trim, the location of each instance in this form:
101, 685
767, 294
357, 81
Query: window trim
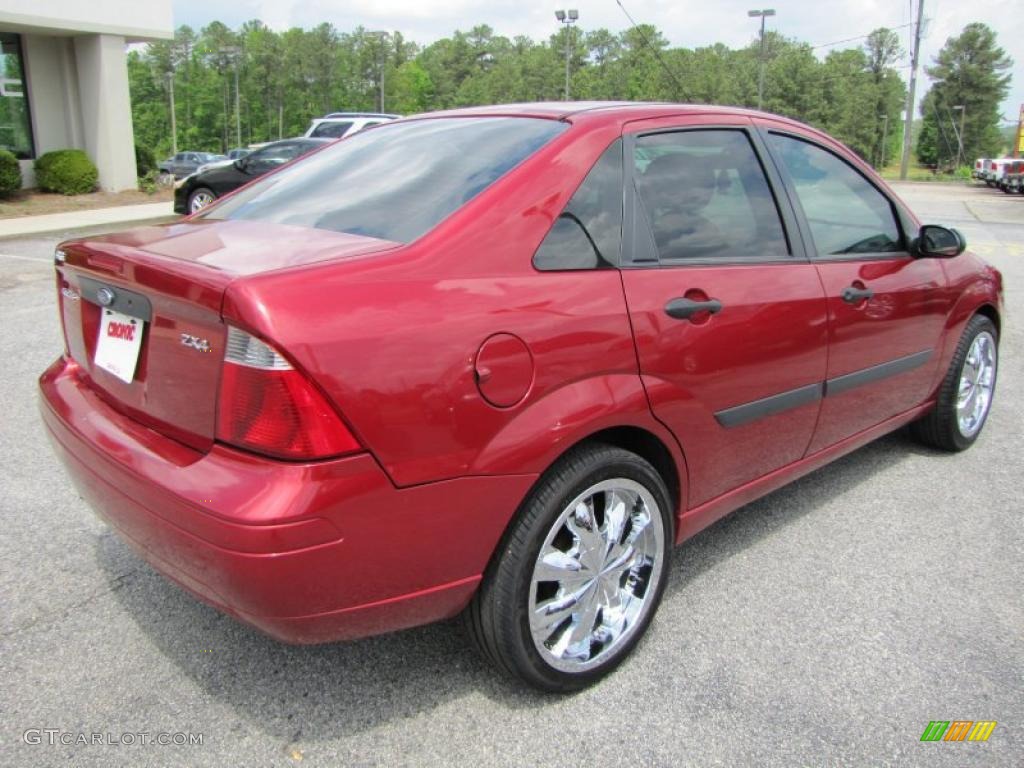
804, 221
27, 86
631, 229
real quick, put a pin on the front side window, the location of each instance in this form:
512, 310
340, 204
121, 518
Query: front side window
588, 232
395, 182
15, 124
704, 195
846, 214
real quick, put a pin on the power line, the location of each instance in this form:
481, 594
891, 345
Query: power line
684, 95
859, 73
858, 37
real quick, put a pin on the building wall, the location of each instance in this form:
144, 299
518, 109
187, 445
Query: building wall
134, 19
77, 78
106, 108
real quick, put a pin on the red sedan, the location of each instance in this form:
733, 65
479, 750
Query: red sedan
498, 361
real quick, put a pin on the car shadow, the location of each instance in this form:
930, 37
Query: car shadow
317, 693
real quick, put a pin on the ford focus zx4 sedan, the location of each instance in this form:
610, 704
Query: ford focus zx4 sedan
496, 362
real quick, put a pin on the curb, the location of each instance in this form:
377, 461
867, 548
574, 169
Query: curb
73, 221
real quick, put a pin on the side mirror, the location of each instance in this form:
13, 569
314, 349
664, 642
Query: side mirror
940, 242
241, 164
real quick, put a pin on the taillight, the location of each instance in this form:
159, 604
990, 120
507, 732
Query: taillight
269, 407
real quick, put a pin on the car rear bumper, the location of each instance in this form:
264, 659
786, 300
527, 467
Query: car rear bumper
307, 553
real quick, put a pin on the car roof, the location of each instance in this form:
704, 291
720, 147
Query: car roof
343, 115
308, 140
610, 112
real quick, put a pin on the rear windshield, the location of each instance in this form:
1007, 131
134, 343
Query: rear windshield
395, 182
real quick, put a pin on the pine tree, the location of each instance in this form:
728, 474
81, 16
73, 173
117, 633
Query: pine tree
970, 71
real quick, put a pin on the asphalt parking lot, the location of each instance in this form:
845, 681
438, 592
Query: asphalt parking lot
824, 625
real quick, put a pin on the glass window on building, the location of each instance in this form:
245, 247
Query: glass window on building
15, 126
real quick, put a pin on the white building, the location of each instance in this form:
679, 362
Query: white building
64, 80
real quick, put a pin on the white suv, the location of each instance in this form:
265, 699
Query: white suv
340, 124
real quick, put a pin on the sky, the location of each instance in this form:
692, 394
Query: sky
686, 23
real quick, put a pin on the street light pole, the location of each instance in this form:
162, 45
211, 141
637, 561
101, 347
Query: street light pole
380, 35
882, 155
568, 19
174, 119
238, 109
235, 55
763, 14
961, 157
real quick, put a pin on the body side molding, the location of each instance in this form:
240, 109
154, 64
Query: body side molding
738, 415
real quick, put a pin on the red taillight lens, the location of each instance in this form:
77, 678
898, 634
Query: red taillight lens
267, 406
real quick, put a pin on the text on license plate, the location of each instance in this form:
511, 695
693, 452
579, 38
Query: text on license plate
117, 349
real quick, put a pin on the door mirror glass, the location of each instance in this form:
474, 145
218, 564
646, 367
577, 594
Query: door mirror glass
940, 242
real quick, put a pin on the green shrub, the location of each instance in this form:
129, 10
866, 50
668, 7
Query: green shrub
10, 173
148, 183
66, 171
145, 161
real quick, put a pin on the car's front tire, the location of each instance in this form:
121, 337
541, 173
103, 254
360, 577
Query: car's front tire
965, 395
579, 574
200, 198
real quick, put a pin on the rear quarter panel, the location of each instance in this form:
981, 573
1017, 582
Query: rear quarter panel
392, 339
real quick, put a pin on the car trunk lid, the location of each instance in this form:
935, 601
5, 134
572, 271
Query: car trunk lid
172, 280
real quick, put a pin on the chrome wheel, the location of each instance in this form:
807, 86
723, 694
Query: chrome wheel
596, 575
200, 200
977, 378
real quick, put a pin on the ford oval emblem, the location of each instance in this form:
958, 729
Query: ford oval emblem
105, 296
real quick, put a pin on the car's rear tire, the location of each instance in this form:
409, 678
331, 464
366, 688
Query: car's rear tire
200, 198
965, 395
580, 572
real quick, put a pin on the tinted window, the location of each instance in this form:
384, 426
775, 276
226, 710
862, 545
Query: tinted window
588, 233
846, 213
704, 195
269, 158
331, 130
395, 182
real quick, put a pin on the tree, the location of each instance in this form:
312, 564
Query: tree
883, 50
969, 71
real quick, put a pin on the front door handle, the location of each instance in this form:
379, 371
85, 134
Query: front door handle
853, 295
682, 308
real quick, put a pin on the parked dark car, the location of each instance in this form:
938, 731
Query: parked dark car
498, 361
200, 189
184, 163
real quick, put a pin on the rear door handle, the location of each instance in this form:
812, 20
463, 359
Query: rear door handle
853, 295
682, 308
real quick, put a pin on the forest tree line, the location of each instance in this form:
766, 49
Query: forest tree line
286, 78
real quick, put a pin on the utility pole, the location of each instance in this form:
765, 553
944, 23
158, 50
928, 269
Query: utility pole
174, 120
568, 19
763, 14
908, 122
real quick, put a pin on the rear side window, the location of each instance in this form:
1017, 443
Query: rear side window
705, 196
588, 233
846, 214
395, 182
331, 130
